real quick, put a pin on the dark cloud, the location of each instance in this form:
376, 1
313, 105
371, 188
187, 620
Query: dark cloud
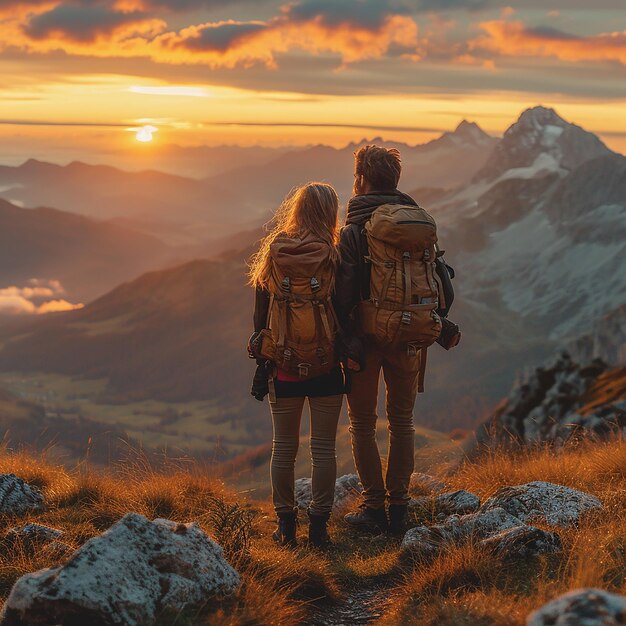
80, 22
221, 37
365, 13
550, 33
449, 5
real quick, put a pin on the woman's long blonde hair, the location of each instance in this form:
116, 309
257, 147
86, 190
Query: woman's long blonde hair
312, 209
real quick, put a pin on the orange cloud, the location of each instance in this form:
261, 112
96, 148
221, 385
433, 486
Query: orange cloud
222, 44
515, 39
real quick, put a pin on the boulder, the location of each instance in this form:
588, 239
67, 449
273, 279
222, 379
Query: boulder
582, 607
445, 504
18, 497
522, 542
346, 487
424, 543
426, 484
31, 537
553, 504
126, 576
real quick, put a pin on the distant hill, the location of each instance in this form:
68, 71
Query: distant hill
181, 210
86, 256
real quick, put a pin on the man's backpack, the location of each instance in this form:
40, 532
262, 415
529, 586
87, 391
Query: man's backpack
301, 327
405, 292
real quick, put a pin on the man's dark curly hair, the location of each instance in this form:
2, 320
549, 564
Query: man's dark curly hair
380, 167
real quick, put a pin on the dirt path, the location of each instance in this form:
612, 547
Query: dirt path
360, 606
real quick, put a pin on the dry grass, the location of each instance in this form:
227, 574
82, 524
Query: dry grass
464, 586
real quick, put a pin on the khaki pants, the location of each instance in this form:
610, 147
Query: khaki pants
400, 373
286, 415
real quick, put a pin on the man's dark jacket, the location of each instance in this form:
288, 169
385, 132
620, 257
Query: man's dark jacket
353, 278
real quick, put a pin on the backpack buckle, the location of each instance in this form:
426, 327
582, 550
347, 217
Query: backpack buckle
406, 256
286, 284
321, 355
426, 255
287, 354
315, 284
406, 318
303, 369
412, 349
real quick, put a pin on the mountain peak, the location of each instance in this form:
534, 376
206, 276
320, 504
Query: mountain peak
538, 142
471, 131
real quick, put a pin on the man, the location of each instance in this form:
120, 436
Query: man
377, 172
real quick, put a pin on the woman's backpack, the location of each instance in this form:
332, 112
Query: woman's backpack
401, 312
301, 327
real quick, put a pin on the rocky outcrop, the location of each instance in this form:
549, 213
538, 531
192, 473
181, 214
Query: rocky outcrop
549, 407
18, 497
582, 607
425, 484
346, 487
423, 543
31, 537
440, 506
522, 542
552, 504
126, 576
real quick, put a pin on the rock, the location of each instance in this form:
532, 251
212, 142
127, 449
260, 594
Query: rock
31, 536
425, 483
18, 498
445, 504
522, 542
554, 504
582, 607
424, 542
125, 576
345, 487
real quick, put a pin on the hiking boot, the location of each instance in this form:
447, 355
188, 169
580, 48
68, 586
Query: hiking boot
397, 519
318, 531
285, 534
369, 520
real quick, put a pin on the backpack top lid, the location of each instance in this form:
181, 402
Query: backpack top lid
299, 255
406, 227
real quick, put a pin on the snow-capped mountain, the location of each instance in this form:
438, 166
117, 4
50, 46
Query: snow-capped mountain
540, 233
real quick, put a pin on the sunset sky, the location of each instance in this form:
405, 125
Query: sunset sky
80, 77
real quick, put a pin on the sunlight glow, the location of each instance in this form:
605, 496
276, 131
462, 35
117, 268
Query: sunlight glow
173, 90
144, 134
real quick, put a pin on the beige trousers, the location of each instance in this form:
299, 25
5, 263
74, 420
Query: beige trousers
400, 372
286, 416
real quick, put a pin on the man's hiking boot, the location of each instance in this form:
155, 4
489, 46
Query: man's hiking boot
318, 531
285, 534
368, 520
397, 519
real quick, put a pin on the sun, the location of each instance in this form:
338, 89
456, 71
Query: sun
144, 134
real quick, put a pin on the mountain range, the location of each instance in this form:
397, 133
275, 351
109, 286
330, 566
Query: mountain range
534, 227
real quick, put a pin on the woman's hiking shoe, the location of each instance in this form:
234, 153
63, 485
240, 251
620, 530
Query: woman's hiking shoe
368, 520
318, 531
397, 519
285, 534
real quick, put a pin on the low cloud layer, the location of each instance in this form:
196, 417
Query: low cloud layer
37, 297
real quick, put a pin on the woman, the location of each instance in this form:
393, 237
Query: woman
295, 329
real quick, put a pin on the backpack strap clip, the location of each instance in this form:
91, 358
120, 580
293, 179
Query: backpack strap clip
315, 284
286, 285
303, 369
406, 318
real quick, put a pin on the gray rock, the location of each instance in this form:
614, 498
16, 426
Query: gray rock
425, 483
18, 497
346, 487
424, 543
440, 506
125, 577
522, 542
554, 504
582, 607
30, 537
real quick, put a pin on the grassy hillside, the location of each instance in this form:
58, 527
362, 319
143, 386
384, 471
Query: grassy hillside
463, 586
